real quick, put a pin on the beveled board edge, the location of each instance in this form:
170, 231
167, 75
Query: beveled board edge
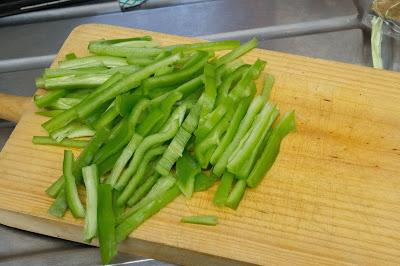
131, 245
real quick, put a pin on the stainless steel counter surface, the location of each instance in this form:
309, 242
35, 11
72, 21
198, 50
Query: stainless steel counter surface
24, 248
204, 18
327, 29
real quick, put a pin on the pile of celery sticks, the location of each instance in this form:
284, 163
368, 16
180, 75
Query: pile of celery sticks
153, 123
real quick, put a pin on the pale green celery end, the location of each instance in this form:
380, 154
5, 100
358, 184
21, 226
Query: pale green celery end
376, 42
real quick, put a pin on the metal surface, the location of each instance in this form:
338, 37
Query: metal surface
328, 29
295, 29
24, 248
324, 45
24, 63
193, 20
83, 10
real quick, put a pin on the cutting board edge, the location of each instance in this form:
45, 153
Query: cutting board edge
134, 246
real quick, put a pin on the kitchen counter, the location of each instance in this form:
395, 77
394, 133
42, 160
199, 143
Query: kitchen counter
329, 29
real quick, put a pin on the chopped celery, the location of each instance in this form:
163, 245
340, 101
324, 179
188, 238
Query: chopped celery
186, 170
201, 219
245, 124
240, 157
223, 190
106, 224
264, 163
162, 185
91, 180
71, 191
204, 181
236, 194
137, 218
143, 189
138, 177
59, 206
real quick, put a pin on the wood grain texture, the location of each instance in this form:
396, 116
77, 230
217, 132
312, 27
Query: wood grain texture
331, 198
12, 107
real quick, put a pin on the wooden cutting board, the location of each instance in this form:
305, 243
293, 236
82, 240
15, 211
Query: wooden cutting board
332, 197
